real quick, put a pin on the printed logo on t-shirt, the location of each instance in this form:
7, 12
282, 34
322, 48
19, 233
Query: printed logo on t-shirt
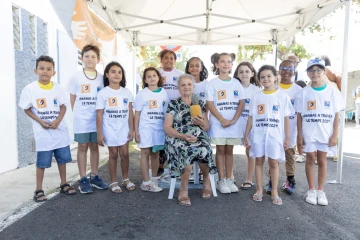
125, 101
164, 79
41, 103
261, 108
163, 103
202, 94
247, 100
98, 89
327, 104
275, 109
153, 104
236, 93
292, 101
112, 101
175, 78
311, 105
221, 94
55, 102
85, 88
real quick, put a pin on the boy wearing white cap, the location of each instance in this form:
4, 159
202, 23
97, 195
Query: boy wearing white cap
318, 107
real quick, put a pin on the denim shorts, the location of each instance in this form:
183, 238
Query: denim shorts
62, 156
85, 137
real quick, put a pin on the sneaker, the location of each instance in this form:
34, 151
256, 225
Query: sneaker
321, 198
230, 183
223, 187
311, 197
84, 186
289, 186
155, 180
97, 182
268, 187
300, 158
150, 187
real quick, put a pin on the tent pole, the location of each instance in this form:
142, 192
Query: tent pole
275, 48
343, 91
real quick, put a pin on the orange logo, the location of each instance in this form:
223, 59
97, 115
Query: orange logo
164, 79
153, 104
311, 105
41, 103
221, 94
85, 88
112, 101
261, 108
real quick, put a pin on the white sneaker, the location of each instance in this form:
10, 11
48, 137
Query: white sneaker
155, 180
321, 198
223, 187
311, 197
231, 185
150, 187
300, 158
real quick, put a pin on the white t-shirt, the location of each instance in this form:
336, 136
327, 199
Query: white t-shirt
45, 104
249, 93
225, 96
170, 80
86, 90
200, 88
318, 110
152, 106
292, 92
116, 114
268, 112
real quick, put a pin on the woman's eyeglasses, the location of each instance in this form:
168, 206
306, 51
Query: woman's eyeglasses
287, 69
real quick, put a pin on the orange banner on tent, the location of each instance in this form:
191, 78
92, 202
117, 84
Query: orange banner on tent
88, 28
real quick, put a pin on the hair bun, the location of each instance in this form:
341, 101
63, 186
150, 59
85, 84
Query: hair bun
214, 58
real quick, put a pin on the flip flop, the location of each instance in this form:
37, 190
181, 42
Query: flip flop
257, 197
182, 201
243, 187
206, 194
277, 201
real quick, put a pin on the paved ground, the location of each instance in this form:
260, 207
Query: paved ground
142, 215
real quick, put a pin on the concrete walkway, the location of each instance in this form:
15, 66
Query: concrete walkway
18, 185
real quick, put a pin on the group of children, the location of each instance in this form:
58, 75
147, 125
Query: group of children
265, 112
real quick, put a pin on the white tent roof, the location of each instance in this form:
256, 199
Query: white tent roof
221, 22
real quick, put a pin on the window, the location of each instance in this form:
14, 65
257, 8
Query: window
46, 50
16, 28
32, 21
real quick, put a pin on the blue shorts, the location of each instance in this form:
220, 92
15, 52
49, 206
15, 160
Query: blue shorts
85, 137
62, 156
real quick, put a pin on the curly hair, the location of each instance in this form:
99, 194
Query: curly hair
203, 73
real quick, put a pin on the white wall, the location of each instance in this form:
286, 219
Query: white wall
8, 141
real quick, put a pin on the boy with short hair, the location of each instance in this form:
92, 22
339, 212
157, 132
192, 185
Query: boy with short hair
84, 87
45, 103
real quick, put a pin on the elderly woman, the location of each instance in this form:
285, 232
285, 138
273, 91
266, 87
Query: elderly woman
187, 140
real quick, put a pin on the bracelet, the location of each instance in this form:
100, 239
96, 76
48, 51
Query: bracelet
221, 119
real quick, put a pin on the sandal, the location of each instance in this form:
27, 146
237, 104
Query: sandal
184, 201
128, 184
257, 197
115, 189
277, 201
68, 191
206, 194
245, 187
38, 194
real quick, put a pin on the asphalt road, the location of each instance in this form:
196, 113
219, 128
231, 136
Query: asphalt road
144, 215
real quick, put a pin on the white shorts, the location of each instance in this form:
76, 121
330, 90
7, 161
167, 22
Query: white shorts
271, 149
322, 147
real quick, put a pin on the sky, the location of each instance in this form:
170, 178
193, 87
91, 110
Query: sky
321, 46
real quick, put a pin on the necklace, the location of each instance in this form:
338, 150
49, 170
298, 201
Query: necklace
88, 77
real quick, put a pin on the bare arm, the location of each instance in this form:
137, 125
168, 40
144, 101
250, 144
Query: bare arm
238, 111
99, 122
171, 132
72, 100
136, 126
224, 122
287, 132
43, 123
300, 140
131, 123
247, 131
334, 136
54, 124
333, 76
